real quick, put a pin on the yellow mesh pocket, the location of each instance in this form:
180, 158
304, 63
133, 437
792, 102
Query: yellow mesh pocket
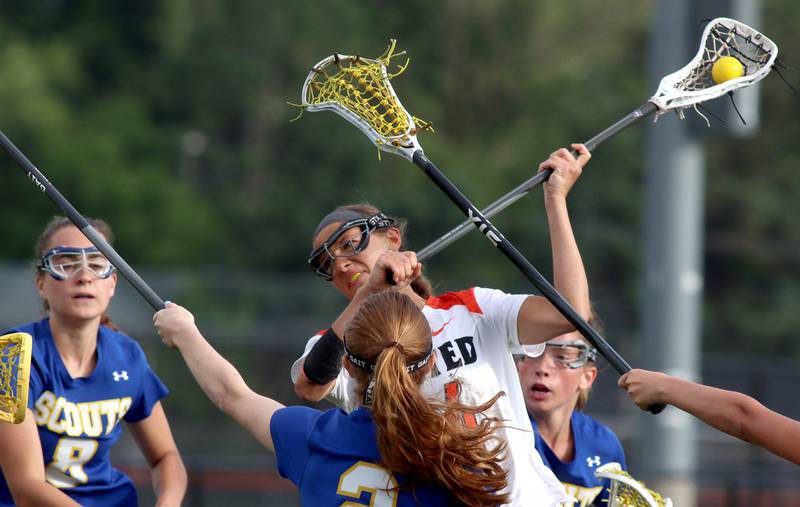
625, 491
15, 360
361, 86
625, 495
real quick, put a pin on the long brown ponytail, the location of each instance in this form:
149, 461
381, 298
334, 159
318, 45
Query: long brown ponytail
425, 440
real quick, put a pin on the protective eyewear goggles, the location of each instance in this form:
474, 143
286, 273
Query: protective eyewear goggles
573, 354
64, 262
342, 243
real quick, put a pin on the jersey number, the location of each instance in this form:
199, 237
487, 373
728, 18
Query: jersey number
368, 477
66, 469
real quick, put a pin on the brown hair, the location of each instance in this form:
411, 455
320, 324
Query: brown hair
426, 440
422, 286
53, 226
583, 395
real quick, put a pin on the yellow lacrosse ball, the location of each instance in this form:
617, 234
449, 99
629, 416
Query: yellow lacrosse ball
726, 68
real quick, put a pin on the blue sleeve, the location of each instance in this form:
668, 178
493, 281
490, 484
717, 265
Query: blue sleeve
151, 389
290, 429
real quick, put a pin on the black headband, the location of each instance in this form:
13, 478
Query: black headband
339, 215
369, 366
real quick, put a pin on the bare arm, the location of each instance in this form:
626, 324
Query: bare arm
539, 320
221, 382
304, 388
23, 467
309, 391
155, 440
733, 413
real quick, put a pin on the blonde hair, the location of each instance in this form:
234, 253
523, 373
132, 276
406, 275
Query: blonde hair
43, 242
584, 394
425, 440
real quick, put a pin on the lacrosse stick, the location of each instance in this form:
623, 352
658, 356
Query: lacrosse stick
359, 90
625, 491
15, 367
80, 222
687, 87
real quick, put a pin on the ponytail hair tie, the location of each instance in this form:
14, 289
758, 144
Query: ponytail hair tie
395, 344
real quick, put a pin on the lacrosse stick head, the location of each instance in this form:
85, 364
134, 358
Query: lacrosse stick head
625, 491
15, 363
359, 90
722, 37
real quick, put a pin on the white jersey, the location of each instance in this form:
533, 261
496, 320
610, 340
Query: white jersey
474, 334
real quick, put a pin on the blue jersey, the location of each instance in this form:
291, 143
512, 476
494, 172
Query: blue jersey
79, 418
595, 445
333, 458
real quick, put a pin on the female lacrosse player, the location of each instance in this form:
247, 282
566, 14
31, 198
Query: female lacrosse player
728, 411
572, 444
396, 448
85, 379
475, 331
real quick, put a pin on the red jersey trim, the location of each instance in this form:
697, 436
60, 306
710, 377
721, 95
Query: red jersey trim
451, 299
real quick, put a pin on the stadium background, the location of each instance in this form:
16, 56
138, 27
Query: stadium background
170, 120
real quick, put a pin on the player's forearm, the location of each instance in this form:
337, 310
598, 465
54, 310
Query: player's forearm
736, 414
218, 378
569, 275
169, 480
726, 411
309, 391
38, 493
318, 372
340, 324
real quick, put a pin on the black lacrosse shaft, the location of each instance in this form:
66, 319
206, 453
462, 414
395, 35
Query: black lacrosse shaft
80, 222
527, 269
525, 187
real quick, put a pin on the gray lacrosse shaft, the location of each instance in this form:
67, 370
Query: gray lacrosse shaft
523, 189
